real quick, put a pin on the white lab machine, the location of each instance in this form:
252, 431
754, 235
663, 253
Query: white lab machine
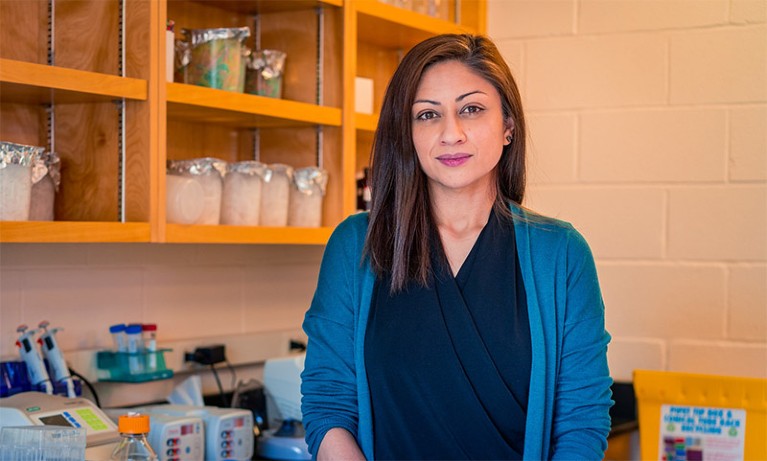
282, 382
228, 431
40, 409
173, 438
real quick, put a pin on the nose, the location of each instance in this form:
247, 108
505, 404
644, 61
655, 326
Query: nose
452, 130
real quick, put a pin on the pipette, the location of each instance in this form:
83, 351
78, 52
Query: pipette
30, 356
56, 362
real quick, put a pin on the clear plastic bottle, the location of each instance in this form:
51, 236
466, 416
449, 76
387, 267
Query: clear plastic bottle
149, 337
133, 444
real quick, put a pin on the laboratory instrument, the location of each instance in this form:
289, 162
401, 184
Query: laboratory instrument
282, 382
38, 375
40, 409
174, 438
52, 353
228, 431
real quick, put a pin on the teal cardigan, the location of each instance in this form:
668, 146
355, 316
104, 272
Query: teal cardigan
568, 408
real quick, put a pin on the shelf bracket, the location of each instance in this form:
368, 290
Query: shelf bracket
320, 77
121, 117
256, 46
51, 31
49, 108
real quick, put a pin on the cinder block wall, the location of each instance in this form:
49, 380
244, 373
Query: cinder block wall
648, 131
189, 291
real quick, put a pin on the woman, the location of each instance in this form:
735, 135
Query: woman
451, 323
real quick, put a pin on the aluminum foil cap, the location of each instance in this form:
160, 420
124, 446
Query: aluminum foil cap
197, 166
18, 154
310, 180
269, 62
52, 164
278, 169
247, 167
199, 36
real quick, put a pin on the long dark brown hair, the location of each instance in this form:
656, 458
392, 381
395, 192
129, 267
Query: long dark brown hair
401, 220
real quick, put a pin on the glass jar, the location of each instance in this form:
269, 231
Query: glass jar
133, 444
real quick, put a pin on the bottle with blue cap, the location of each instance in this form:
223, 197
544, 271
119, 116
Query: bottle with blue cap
118, 337
135, 347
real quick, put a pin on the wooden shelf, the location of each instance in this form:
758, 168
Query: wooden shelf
366, 122
30, 83
177, 233
193, 103
269, 6
393, 27
72, 232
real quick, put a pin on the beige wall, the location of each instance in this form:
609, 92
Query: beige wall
190, 291
648, 124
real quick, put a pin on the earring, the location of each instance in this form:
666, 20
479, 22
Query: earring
508, 139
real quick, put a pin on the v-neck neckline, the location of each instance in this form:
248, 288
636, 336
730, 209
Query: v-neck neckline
465, 269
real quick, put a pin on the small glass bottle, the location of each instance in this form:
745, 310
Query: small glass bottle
133, 444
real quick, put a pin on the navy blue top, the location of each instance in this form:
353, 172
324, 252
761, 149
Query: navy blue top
449, 364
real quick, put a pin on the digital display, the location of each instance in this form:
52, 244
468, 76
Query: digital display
239, 422
187, 429
55, 420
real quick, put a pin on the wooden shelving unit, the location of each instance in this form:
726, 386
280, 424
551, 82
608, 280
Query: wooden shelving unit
365, 122
199, 104
30, 83
106, 108
239, 234
78, 77
72, 232
388, 26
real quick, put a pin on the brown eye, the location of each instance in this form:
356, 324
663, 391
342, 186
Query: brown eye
472, 110
427, 115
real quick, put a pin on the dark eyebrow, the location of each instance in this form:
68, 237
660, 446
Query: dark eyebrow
458, 99
463, 96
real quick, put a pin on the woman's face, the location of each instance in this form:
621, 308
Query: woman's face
458, 128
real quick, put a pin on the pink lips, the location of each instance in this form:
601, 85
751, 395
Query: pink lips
453, 159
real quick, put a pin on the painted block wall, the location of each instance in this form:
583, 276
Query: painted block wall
648, 131
189, 291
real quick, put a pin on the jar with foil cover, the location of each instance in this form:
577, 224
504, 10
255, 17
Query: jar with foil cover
275, 194
241, 202
263, 74
44, 191
306, 196
217, 57
133, 445
185, 199
20, 167
208, 173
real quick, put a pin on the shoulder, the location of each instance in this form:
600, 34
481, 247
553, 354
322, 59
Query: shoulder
348, 238
542, 231
357, 222
353, 227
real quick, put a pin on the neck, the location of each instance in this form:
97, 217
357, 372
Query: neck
461, 213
